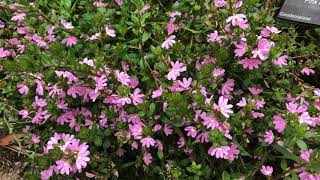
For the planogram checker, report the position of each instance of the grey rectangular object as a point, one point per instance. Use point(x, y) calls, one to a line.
point(304, 11)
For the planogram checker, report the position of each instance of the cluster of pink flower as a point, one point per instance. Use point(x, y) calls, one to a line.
point(74, 155)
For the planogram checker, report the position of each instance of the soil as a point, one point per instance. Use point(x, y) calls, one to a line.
point(11, 165)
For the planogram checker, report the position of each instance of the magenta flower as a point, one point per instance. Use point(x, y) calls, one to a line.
point(266, 170)
point(88, 62)
point(35, 138)
point(227, 87)
point(123, 77)
point(167, 129)
point(233, 152)
point(210, 121)
point(23, 89)
point(214, 37)
point(219, 152)
point(147, 158)
point(144, 8)
point(279, 123)
point(264, 46)
point(19, 17)
point(176, 69)
point(4, 53)
point(137, 97)
point(305, 155)
point(255, 90)
point(281, 61)
point(119, 2)
point(305, 118)
point(170, 41)
point(220, 3)
point(157, 93)
point(100, 83)
point(110, 32)
point(100, 4)
point(239, 20)
point(181, 142)
point(268, 137)
point(24, 113)
point(218, 72)
point(223, 107)
point(156, 128)
point(70, 41)
point(63, 166)
point(46, 174)
point(240, 49)
point(307, 71)
point(66, 25)
point(81, 153)
point(250, 63)
point(147, 142)
point(192, 131)
point(242, 102)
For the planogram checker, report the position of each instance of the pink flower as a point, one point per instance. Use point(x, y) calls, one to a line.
point(237, 4)
point(100, 83)
point(110, 32)
point(219, 152)
point(238, 20)
point(87, 61)
point(305, 155)
point(273, 30)
point(227, 87)
point(35, 139)
point(242, 102)
point(167, 130)
point(181, 142)
point(123, 77)
point(255, 90)
point(266, 170)
point(281, 61)
point(137, 97)
point(220, 3)
point(81, 154)
point(210, 121)
point(176, 69)
point(250, 63)
point(170, 28)
point(170, 41)
point(145, 8)
point(268, 137)
point(147, 142)
point(279, 123)
point(218, 72)
point(63, 166)
point(241, 49)
point(192, 131)
point(119, 2)
point(23, 89)
point(147, 158)
point(66, 25)
point(157, 93)
point(156, 128)
point(70, 41)
point(100, 4)
point(214, 37)
point(24, 113)
point(264, 46)
point(4, 53)
point(223, 107)
point(256, 115)
point(305, 118)
point(307, 71)
point(19, 17)
point(46, 174)
point(232, 152)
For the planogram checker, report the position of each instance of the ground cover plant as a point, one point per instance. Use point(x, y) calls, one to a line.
point(159, 89)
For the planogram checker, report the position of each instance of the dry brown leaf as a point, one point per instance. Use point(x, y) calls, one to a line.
point(6, 140)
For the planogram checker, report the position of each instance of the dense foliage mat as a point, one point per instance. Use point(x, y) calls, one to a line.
point(159, 89)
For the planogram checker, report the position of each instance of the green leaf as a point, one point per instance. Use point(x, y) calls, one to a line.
point(145, 36)
point(98, 141)
point(285, 152)
point(302, 145)
point(225, 175)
